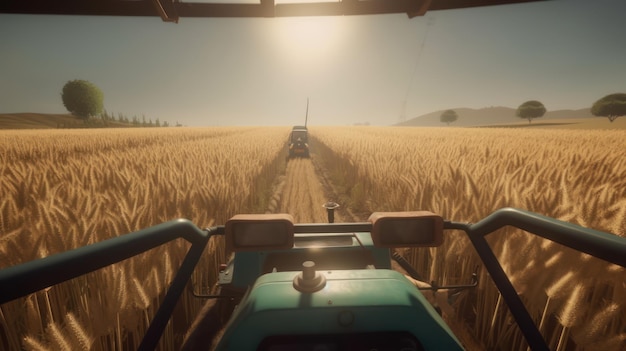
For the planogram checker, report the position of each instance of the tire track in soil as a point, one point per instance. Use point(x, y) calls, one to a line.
point(302, 191)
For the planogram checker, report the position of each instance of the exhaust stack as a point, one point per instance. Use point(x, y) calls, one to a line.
point(330, 207)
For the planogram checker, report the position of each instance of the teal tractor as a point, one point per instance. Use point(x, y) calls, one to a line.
point(318, 286)
point(328, 286)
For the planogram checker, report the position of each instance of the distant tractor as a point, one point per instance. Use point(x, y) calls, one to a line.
point(299, 138)
point(299, 142)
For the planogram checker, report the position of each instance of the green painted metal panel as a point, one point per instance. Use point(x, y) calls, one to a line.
point(352, 301)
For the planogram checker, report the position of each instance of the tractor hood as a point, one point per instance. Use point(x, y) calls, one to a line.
point(350, 302)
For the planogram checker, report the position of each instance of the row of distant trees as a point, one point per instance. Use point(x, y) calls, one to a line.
point(85, 100)
point(134, 120)
point(611, 106)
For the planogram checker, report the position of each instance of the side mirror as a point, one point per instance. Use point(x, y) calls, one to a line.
point(406, 229)
point(259, 232)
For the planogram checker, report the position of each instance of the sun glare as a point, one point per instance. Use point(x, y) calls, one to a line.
point(308, 42)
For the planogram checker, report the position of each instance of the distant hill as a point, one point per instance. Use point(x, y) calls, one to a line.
point(491, 116)
point(43, 121)
point(34, 120)
point(485, 117)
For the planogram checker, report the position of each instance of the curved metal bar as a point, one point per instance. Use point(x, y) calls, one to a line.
point(162, 316)
point(29, 277)
point(35, 275)
point(608, 247)
point(501, 280)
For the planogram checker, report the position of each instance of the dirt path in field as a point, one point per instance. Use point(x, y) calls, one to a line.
point(303, 190)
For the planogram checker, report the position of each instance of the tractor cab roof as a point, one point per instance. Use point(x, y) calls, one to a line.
point(171, 11)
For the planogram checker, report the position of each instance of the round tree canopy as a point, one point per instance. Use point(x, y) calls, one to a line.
point(448, 116)
point(611, 106)
point(531, 109)
point(81, 98)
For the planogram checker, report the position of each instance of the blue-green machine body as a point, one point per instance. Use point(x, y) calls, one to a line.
point(364, 297)
point(315, 286)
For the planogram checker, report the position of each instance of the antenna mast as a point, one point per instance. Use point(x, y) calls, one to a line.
point(430, 21)
point(306, 116)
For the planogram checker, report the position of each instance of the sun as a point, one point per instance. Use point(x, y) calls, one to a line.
point(308, 42)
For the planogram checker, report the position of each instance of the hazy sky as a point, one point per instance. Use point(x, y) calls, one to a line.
point(355, 69)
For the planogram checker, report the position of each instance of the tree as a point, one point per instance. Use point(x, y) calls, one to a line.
point(82, 99)
point(448, 116)
point(611, 106)
point(530, 109)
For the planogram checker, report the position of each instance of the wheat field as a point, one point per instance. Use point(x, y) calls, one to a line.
point(65, 189)
point(464, 174)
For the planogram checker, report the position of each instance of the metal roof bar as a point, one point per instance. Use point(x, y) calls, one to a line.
point(171, 10)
